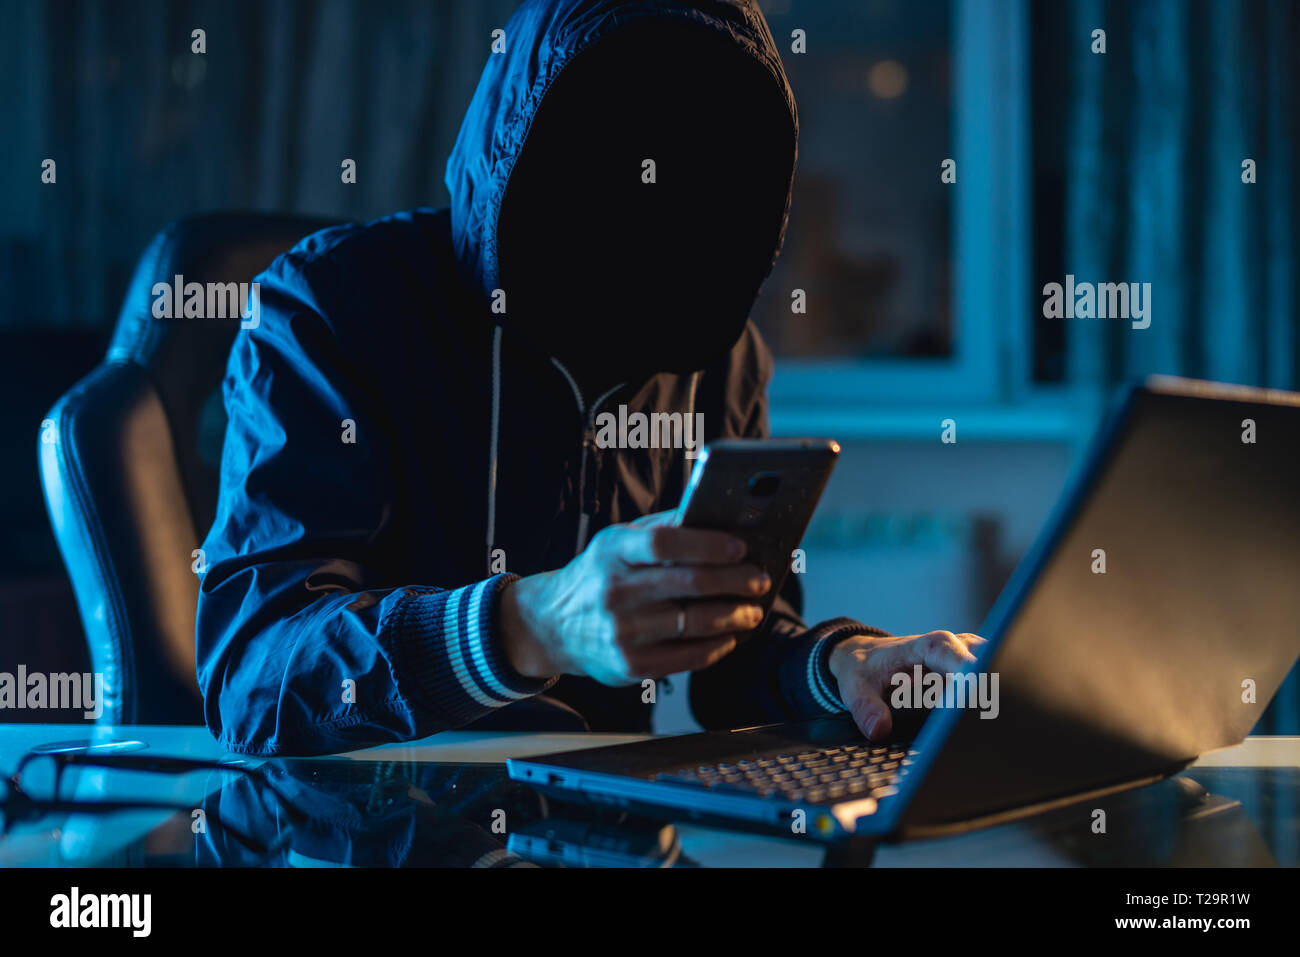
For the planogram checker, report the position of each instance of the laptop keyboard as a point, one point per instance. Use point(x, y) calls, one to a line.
point(817, 776)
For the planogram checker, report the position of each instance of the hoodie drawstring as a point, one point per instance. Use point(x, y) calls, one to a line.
point(496, 432)
point(688, 428)
point(588, 443)
point(589, 415)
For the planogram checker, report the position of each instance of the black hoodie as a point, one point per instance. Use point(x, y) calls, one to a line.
point(420, 416)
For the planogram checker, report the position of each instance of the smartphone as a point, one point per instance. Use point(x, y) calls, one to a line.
point(763, 491)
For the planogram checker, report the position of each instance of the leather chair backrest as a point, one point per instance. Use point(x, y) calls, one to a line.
point(130, 459)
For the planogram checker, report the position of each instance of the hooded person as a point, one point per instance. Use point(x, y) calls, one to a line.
point(416, 422)
point(631, 216)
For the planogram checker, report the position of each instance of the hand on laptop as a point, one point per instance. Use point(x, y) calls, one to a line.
point(617, 613)
point(864, 665)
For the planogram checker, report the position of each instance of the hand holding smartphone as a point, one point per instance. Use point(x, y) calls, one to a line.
point(763, 491)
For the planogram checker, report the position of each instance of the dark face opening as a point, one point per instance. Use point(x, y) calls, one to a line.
point(618, 277)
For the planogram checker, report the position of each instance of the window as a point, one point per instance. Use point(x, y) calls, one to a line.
point(917, 291)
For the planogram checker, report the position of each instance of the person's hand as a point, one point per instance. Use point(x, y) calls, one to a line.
point(643, 600)
point(863, 666)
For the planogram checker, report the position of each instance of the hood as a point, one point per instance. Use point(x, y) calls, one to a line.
point(554, 203)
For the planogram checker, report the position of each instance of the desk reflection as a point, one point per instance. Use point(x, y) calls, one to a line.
point(404, 814)
point(329, 813)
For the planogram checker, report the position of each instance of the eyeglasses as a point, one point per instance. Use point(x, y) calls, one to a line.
point(19, 806)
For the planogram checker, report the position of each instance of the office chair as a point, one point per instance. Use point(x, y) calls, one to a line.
point(130, 458)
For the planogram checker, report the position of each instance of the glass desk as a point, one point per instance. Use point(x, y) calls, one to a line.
point(446, 802)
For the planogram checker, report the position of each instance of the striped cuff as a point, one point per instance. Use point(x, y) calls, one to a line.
point(820, 692)
point(448, 648)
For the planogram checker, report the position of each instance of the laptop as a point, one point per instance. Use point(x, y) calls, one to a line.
point(1153, 621)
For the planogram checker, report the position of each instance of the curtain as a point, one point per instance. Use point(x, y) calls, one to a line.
point(1157, 130)
point(144, 131)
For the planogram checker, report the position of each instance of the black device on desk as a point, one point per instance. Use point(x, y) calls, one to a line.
point(764, 491)
point(1152, 622)
point(629, 842)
